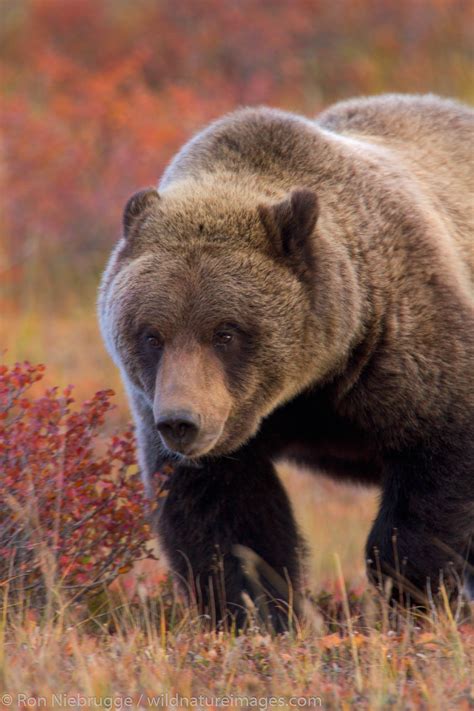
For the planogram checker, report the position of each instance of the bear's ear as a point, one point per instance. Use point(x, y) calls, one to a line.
point(135, 206)
point(290, 225)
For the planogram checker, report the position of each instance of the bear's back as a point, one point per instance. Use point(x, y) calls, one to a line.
point(432, 138)
point(411, 118)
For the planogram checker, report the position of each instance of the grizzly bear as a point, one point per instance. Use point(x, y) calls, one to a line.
point(303, 289)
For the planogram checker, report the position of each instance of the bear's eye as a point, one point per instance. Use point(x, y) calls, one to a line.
point(222, 338)
point(154, 341)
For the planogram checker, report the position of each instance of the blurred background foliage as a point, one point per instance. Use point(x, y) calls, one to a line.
point(97, 95)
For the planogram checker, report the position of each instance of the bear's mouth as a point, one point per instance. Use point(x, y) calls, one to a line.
point(200, 447)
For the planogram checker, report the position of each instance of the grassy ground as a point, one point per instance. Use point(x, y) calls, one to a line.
point(150, 653)
point(148, 647)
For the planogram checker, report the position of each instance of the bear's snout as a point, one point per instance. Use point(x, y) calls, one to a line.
point(178, 430)
point(191, 402)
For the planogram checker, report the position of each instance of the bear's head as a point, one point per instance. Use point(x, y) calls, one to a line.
point(207, 306)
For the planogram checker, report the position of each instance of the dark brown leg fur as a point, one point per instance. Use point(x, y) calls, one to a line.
point(227, 529)
point(424, 528)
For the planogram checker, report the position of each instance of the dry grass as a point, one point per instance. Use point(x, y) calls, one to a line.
point(141, 651)
point(147, 644)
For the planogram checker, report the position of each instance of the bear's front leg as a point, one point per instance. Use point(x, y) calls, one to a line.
point(423, 534)
point(228, 531)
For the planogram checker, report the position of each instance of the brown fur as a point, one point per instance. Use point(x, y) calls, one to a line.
point(192, 378)
point(340, 252)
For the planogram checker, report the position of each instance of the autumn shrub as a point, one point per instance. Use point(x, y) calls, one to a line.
point(72, 508)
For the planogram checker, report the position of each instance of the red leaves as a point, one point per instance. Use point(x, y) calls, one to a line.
point(60, 501)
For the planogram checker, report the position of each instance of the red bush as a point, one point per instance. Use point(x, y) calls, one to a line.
point(72, 507)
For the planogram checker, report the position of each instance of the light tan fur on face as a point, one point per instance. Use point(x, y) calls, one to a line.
point(191, 378)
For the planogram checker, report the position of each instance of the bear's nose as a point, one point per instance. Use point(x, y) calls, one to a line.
point(178, 429)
